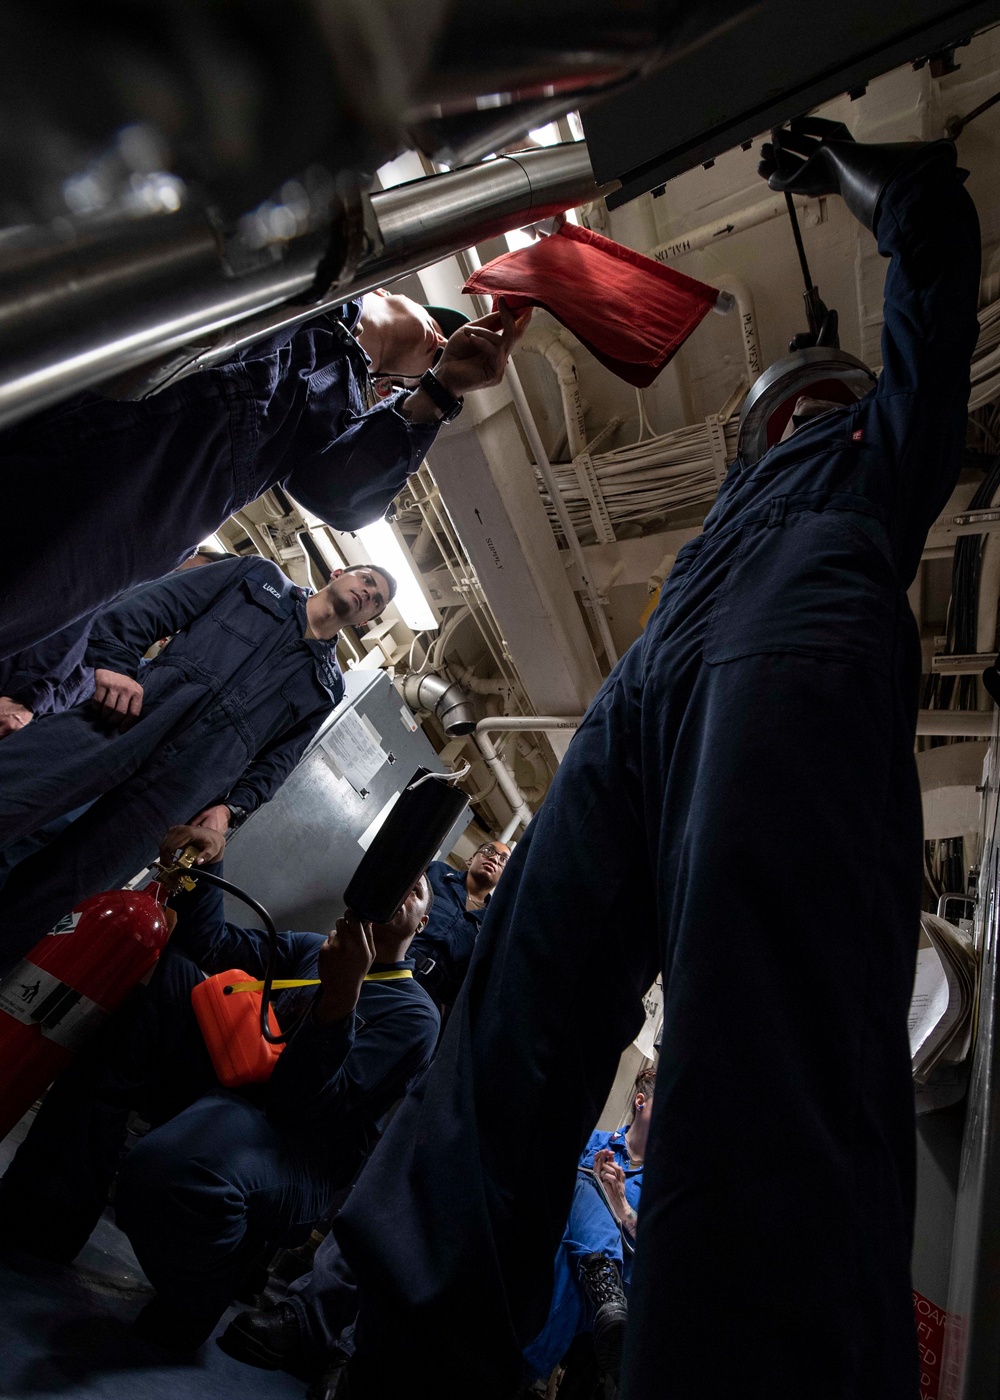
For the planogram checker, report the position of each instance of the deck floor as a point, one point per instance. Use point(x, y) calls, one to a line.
point(65, 1332)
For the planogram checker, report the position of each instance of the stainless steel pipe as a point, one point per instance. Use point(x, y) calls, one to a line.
point(72, 317)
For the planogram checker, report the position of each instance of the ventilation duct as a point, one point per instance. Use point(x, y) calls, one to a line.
point(443, 698)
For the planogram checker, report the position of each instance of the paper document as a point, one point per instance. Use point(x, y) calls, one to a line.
point(942, 1004)
point(351, 746)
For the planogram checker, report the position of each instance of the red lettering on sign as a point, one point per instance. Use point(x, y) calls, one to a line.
point(931, 1323)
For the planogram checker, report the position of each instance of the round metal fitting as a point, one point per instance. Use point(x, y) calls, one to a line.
point(785, 380)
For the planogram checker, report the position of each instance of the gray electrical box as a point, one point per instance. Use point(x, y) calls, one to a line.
point(298, 852)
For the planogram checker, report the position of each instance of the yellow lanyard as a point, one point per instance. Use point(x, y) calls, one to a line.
point(281, 984)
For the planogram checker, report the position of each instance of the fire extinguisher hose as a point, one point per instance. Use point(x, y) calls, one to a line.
point(272, 950)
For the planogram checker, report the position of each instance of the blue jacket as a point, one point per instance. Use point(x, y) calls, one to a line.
point(240, 690)
point(135, 486)
point(334, 1083)
point(617, 1142)
point(450, 935)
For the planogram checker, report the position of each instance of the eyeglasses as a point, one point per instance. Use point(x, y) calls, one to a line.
point(501, 857)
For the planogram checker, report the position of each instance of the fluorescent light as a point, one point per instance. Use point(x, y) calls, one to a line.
point(383, 547)
point(519, 238)
point(214, 542)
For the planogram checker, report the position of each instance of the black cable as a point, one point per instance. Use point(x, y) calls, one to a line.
point(272, 951)
point(799, 245)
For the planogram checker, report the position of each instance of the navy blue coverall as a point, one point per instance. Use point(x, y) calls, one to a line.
point(450, 935)
point(740, 808)
point(199, 1196)
point(53, 675)
point(228, 709)
point(131, 488)
point(264, 1163)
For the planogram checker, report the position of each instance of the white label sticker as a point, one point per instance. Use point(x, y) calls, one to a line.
point(409, 722)
point(24, 989)
point(74, 1021)
point(34, 996)
point(67, 923)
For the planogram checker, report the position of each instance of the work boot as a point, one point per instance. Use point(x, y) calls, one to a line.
point(269, 1338)
point(603, 1286)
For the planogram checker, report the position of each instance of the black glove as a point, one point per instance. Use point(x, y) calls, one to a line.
point(813, 156)
point(797, 159)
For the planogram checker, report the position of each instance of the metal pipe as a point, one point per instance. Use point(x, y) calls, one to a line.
point(522, 813)
point(444, 698)
point(709, 235)
point(967, 724)
point(748, 323)
point(536, 724)
point(76, 316)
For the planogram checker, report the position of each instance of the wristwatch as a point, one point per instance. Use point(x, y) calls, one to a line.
point(443, 398)
point(237, 815)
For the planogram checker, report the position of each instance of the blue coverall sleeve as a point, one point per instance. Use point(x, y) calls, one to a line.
point(327, 1072)
point(204, 935)
point(928, 227)
point(353, 480)
point(262, 778)
point(125, 630)
point(51, 676)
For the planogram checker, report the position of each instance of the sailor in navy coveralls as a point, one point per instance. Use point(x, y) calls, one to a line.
point(740, 809)
point(222, 716)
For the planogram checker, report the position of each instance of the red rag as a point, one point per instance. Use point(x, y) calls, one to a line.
point(630, 311)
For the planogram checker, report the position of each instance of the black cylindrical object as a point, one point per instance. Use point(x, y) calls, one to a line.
point(404, 846)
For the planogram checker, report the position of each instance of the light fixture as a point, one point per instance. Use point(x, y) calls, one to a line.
point(214, 542)
point(383, 546)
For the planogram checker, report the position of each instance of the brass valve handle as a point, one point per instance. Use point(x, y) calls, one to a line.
point(172, 877)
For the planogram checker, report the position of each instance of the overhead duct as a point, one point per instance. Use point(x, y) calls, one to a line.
point(74, 315)
point(443, 698)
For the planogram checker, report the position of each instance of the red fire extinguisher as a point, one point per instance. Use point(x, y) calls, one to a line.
point(54, 1000)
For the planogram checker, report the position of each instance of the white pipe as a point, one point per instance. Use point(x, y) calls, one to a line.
point(490, 685)
point(708, 235)
point(506, 781)
point(544, 466)
point(521, 812)
point(974, 724)
point(544, 340)
point(748, 322)
point(538, 724)
point(562, 513)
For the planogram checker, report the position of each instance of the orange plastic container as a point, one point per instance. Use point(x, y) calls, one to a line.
point(231, 1027)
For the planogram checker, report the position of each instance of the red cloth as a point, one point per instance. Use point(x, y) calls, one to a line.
point(630, 311)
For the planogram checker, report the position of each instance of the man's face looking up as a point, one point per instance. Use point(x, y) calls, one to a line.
point(357, 595)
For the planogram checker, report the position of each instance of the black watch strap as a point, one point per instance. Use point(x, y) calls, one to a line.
point(443, 398)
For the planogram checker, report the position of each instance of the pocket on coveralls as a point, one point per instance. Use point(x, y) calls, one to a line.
point(820, 583)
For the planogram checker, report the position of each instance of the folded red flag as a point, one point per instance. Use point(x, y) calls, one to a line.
point(633, 313)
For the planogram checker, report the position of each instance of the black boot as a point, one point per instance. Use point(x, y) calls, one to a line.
point(269, 1338)
point(603, 1286)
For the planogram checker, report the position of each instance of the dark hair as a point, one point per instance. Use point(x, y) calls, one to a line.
point(644, 1082)
point(378, 569)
